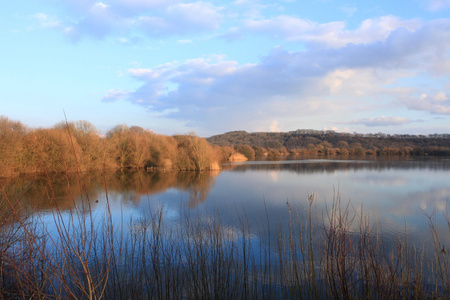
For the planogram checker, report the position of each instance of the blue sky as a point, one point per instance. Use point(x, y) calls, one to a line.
point(215, 66)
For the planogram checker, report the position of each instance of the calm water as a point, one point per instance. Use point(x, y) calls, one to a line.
point(392, 192)
point(253, 245)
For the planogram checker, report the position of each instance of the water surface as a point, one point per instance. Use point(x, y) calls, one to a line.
point(392, 193)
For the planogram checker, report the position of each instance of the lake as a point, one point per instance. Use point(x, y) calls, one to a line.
point(258, 202)
point(395, 192)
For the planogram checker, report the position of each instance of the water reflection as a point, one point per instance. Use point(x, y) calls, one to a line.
point(333, 165)
point(392, 192)
point(42, 193)
point(244, 210)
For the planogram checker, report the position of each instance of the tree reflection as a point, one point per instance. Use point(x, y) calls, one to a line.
point(312, 165)
point(43, 193)
point(198, 184)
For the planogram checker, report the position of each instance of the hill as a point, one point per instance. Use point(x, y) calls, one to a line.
point(323, 141)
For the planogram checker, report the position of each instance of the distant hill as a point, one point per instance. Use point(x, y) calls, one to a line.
point(308, 138)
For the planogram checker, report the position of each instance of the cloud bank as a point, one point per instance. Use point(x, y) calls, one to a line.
point(385, 65)
point(382, 121)
point(139, 17)
point(328, 78)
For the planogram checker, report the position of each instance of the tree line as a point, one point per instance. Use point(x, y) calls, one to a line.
point(75, 146)
point(313, 142)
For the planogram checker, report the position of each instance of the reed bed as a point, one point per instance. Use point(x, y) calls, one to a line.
point(337, 253)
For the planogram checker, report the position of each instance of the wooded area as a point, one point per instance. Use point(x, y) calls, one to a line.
point(74, 146)
point(312, 142)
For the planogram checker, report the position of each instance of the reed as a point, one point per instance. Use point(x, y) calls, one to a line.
point(338, 253)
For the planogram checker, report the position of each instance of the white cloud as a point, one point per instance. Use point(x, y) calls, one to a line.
point(290, 28)
point(47, 21)
point(99, 6)
point(136, 5)
point(275, 127)
point(155, 18)
point(293, 85)
point(114, 95)
point(334, 71)
point(181, 19)
point(382, 121)
point(439, 103)
point(349, 10)
point(141, 72)
point(98, 20)
point(185, 41)
point(248, 8)
point(328, 34)
point(126, 7)
point(203, 13)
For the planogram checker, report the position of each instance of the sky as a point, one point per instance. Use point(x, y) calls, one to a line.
point(210, 67)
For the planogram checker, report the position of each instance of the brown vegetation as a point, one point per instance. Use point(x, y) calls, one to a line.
point(315, 142)
point(74, 146)
point(238, 157)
